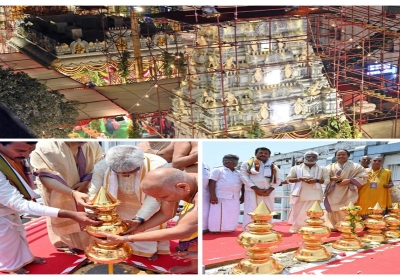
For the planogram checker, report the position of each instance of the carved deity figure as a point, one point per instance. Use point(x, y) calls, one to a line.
point(258, 76)
point(161, 41)
point(315, 89)
point(298, 106)
point(121, 44)
point(264, 111)
point(201, 41)
point(207, 98)
point(288, 71)
point(79, 47)
point(211, 62)
point(231, 100)
point(229, 64)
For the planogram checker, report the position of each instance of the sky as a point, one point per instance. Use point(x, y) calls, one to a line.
point(214, 150)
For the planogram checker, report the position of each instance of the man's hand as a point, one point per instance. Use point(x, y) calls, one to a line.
point(268, 191)
point(132, 226)
point(82, 187)
point(342, 183)
point(334, 178)
point(310, 181)
point(213, 199)
point(258, 191)
point(80, 217)
point(110, 239)
point(388, 186)
point(82, 199)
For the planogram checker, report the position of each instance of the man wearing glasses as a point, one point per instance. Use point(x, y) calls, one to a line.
point(307, 178)
point(121, 173)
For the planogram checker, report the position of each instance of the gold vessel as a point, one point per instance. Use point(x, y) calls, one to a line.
point(393, 222)
point(257, 241)
point(99, 251)
point(349, 227)
point(375, 224)
point(312, 233)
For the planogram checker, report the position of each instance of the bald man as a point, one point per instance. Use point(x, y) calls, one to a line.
point(365, 161)
point(169, 186)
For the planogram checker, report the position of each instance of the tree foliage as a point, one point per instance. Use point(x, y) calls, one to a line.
point(336, 127)
point(256, 132)
point(133, 130)
point(46, 112)
point(123, 65)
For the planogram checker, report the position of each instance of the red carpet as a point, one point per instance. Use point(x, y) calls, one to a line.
point(223, 247)
point(61, 263)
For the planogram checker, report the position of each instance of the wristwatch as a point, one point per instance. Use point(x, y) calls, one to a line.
point(141, 220)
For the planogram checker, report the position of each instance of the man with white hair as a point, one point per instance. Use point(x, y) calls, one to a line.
point(307, 178)
point(121, 173)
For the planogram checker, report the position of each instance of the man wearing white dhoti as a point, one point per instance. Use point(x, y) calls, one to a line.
point(206, 196)
point(17, 195)
point(225, 185)
point(345, 179)
point(260, 177)
point(64, 167)
point(307, 178)
point(121, 173)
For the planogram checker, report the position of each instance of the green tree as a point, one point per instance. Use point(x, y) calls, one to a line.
point(46, 112)
point(256, 132)
point(336, 127)
point(123, 65)
point(133, 130)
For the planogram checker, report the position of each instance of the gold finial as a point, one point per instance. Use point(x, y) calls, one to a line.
point(104, 198)
point(376, 207)
point(351, 205)
point(262, 209)
point(315, 207)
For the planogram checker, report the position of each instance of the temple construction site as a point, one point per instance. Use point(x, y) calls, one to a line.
point(219, 72)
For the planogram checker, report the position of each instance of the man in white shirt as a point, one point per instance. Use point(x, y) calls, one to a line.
point(225, 185)
point(17, 195)
point(307, 178)
point(260, 177)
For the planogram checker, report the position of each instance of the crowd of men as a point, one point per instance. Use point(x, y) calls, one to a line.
point(334, 185)
point(150, 180)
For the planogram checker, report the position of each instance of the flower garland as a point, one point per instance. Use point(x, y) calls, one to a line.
point(353, 216)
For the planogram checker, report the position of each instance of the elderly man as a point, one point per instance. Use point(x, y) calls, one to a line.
point(225, 186)
point(170, 186)
point(16, 195)
point(345, 179)
point(65, 170)
point(365, 161)
point(260, 177)
point(307, 178)
point(121, 173)
point(377, 189)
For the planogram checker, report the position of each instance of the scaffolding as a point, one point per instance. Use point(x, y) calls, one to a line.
point(358, 46)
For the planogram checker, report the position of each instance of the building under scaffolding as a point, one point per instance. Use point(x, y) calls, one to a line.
point(285, 68)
